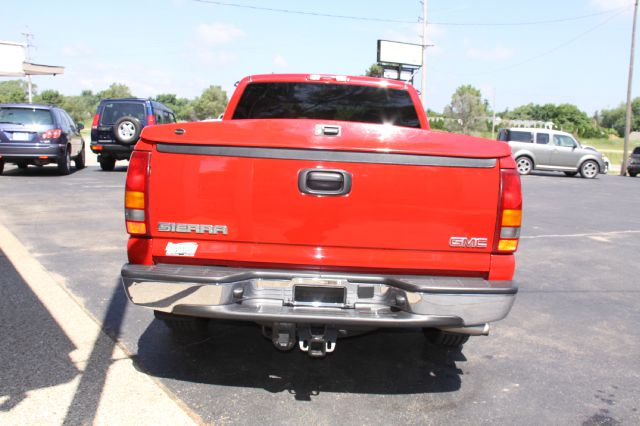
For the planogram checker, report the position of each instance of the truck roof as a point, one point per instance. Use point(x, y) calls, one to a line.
point(328, 78)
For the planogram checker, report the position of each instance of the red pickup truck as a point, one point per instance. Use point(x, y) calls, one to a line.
point(319, 207)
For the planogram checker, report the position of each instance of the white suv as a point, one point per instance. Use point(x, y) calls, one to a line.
point(545, 149)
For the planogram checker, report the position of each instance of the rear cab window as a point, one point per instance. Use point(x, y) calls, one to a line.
point(340, 102)
point(113, 111)
point(25, 116)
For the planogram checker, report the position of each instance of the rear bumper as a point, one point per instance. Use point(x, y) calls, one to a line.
point(113, 149)
point(27, 151)
point(266, 296)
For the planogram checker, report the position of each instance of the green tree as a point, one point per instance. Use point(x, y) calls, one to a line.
point(466, 112)
point(49, 97)
point(13, 91)
point(182, 107)
point(210, 103)
point(615, 118)
point(374, 70)
point(116, 90)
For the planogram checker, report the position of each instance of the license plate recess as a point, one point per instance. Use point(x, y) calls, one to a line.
point(316, 295)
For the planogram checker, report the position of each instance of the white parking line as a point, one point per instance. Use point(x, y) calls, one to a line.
point(128, 395)
point(588, 235)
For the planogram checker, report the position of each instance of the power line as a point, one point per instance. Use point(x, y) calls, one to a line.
point(553, 49)
point(401, 21)
point(301, 12)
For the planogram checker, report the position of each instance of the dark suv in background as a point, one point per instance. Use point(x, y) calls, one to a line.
point(633, 165)
point(117, 125)
point(39, 135)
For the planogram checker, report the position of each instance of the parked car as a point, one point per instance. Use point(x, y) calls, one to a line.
point(117, 125)
point(633, 164)
point(553, 150)
point(607, 162)
point(284, 213)
point(40, 135)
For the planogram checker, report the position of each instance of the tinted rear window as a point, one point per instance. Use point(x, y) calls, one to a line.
point(327, 102)
point(10, 115)
point(517, 136)
point(113, 111)
point(636, 150)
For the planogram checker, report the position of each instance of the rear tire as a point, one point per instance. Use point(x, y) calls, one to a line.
point(80, 159)
point(524, 165)
point(443, 338)
point(589, 169)
point(182, 324)
point(64, 163)
point(22, 165)
point(107, 163)
point(127, 130)
point(571, 174)
point(632, 174)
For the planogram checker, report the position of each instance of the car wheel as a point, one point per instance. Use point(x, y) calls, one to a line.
point(80, 159)
point(182, 324)
point(632, 174)
point(22, 164)
point(107, 163)
point(64, 163)
point(589, 169)
point(443, 338)
point(525, 165)
point(1, 166)
point(571, 174)
point(606, 168)
point(127, 130)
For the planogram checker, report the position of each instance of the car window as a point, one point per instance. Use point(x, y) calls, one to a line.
point(636, 150)
point(63, 121)
point(563, 140)
point(520, 136)
point(542, 138)
point(113, 111)
point(72, 124)
point(25, 116)
point(168, 117)
point(354, 103)
point(159, 116)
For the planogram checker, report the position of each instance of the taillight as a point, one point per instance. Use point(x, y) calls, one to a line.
point(96, 120)
point(151, 119)
point(135, 194)
point(509, 212)
point(51, 134)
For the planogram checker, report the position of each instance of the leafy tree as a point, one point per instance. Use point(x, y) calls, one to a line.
point(210, 103)
point(182, 107)
point(13, 91)
point(466, 112)
point(49, 97)
point(564, 116)
point(374, 70)
point(615, 118)
point(116, 90)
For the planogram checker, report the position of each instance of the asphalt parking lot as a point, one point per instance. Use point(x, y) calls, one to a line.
point(569, 352)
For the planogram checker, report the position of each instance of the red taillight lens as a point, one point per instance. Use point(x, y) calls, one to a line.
point(509, 213)
point(135, 194)
point(151, 119)
point(96, 120)
point(51, 134)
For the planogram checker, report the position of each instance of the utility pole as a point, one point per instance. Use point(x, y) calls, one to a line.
point(423, 91)
point(28, 37)
point(493, 121)
point(627, 124)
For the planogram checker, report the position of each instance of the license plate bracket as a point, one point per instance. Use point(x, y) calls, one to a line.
point(314, 295)
point(20, 136)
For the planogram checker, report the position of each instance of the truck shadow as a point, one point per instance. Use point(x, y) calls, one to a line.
point(236, 354)
point(35, 350)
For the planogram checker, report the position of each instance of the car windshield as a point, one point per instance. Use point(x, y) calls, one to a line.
point(25, 116)
point(113, 111)
point(328, 102)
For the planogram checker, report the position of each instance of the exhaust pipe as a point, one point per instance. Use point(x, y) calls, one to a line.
point(474, 330)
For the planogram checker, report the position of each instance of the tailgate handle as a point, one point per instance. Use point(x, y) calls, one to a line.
point(324, 182)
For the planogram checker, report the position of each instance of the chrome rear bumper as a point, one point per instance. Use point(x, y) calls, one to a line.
point(266, 296)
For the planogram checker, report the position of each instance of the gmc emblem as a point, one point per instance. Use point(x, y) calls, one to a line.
point(464, 242)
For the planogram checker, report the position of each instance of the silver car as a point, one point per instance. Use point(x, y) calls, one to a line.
point(553, 150)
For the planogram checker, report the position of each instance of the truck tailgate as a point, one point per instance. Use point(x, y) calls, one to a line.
point(403, 208)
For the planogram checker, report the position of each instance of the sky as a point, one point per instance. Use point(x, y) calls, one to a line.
point(515, 52)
